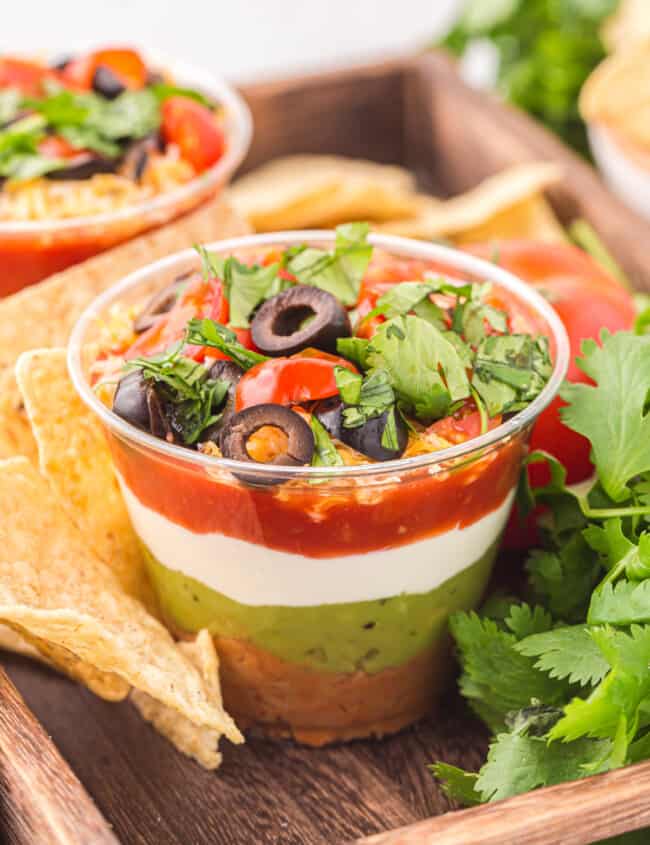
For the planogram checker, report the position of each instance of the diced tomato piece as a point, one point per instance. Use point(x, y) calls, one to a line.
point(127, 65)
point(56, 147)
point(194, 130)
point(200, 298)
point(27, 77)
point(290, 381)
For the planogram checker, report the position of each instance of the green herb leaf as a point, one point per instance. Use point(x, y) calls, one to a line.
point(496, 678)
point(365, 397)
point(208, 333)
point(191, 399)
point(619, 694)
point(415, 353)
point(163, 91)
point(457, 784)
point(620, 604)
point(340, 271)
point(349, 385)
point(9, 104)
point(406, 297)
point(355, 349)
point(247, 287)
point(510, 371)
point(557, 652)
point(612, 414)
point(325, 452)
point(563, 580)
point(389, 439)
point(517, 763)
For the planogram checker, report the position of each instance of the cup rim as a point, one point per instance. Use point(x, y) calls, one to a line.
point(239, 133)
point(392, 244)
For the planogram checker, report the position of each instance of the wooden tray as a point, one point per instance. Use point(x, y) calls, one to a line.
point(415, 112)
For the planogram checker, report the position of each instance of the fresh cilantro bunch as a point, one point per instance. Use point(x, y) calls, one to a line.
point(546, 50)
point(563, 678)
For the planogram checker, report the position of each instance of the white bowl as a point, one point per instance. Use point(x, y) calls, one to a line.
point(626, 176)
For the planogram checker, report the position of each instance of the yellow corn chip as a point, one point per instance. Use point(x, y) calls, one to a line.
point(308, 191)
point(16, 436)
point(629, 23)
point(436, 219)
point(532, 218)
point(199, 743)
point(53, 588)
point(617, 94)
point(75, 458)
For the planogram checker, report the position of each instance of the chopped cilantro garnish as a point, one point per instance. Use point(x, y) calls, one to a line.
point(338, 271)
point(364, 397)
point(510, 371)
point(325, 452)
point(208, 333)
point(191, 399)
point(425, 370)
point(245, 285)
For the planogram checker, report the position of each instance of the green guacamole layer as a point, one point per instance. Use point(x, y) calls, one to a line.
point(368, 635)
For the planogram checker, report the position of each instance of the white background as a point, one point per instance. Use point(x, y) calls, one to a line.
point(240, 39)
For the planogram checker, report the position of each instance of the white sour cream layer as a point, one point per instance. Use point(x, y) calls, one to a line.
point(256, 575)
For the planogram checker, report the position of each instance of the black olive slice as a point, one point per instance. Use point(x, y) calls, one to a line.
point(330, 413)
point(130, 400)
point(61, 63)
point(366, 438)
point(160, 303)
point(243, 425)
point(299, 317)
point(230, 372)
point(137, 402)
point(83, 166)
point(137, 156)
point(107, 83)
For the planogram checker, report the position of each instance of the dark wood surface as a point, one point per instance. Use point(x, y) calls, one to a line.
point(570, 814)
point(31, 767)
point(414, 112)
point(265, 793)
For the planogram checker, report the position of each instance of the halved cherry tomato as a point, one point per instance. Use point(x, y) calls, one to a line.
point(126, 64)
point(192, 127)
point(200, 298)
point(56, 147)
point(463, 425)
point(587, 300)
point(290, 381)
point(27, 77)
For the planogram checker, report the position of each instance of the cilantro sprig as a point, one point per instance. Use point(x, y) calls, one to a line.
point(578, 648)
point(191, 399)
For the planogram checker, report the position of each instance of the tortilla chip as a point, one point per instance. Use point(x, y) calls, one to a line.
point(53, 588)
point(532, 218)
point(436, 219)
point(617, 94)
point(16, 436)
point(306, 191)
point(75, 458)
point(629, 23)
point(43, 315)
point(196, 742)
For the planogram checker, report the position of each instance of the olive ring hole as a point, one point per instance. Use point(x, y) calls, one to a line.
point(292, 320)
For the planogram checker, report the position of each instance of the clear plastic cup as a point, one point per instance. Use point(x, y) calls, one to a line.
point(32, 250)
point(327, 591)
